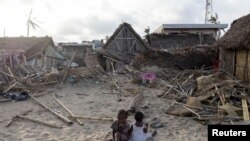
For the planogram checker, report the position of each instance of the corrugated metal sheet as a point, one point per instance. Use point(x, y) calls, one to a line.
point(194, 26)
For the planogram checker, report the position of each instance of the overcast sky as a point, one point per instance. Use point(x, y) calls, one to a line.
point(77, 20)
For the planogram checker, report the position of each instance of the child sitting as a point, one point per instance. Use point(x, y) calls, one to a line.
point(139, 130)
point(121, 127)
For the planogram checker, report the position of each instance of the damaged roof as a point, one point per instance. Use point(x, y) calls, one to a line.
point(109, 41)
point(32, 46)
point(194, 26)
point(238, 36)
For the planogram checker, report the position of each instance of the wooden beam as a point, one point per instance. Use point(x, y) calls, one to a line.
point(65, 108)
point(39, 121)
point(53, 112)
point(132, 45)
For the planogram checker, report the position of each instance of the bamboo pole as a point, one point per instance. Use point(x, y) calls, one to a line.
point(39, 121)
point(93, 118)
point(53, 112)
point(65, 108)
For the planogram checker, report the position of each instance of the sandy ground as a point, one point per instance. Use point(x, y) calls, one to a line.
point(87, 98)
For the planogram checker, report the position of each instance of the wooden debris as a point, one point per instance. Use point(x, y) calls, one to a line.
point(65, 108)
point(135, 103)
point(13, 85)
point(245, 109)
point(67, 68)
point(93, 118)
point(53, 112)
point(10, 122)
point(230, 109)
point(38, 121)
point(193, 112)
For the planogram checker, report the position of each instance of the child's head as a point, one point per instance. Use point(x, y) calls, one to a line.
point(139, 116)
point(122, 116)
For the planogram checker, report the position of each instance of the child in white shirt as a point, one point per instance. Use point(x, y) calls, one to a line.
point(139, 130)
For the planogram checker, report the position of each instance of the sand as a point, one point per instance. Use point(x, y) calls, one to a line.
point(87, 98)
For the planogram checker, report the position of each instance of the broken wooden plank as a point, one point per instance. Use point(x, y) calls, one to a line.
point(245, 109)
point(65, 108)
point(39, 121)
point(53, 112)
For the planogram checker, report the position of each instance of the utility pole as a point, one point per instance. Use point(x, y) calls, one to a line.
point(4, 32)
point(209, 11)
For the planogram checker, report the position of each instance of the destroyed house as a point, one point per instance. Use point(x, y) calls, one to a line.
point(122, 46)
point(35, 51)
point(185, 35)
point(79, 49)
point(235, 49)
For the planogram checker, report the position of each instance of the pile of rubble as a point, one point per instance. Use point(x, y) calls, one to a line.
point(214, 99)
point(186, 58)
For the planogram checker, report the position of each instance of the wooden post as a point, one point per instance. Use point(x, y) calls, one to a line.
point(67, 68)
point(53, 112)
point(71, 114)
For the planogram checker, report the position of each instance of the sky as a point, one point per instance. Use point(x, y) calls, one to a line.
point(78, 20)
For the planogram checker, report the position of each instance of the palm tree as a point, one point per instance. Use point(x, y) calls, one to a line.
point(214, 19)
point(31, 22)
point(147, 30)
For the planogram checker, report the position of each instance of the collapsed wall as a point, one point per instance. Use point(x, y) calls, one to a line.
point(191, 58)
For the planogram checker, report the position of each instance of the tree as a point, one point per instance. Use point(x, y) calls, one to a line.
point(31, 23)
point(214, 19)
point(147, 30)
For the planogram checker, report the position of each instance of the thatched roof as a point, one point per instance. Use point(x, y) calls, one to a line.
point(109, 41)
point(32, 46)
point(238, 36)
